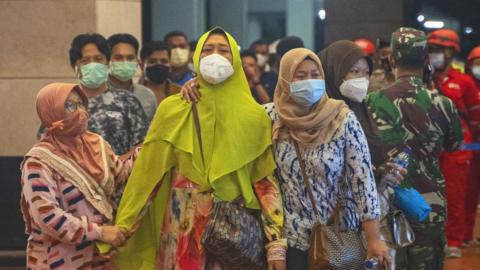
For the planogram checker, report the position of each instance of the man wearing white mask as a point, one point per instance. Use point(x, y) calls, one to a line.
point(177, 41)
point(460, 88)
point(123, 67)
point(260, 47)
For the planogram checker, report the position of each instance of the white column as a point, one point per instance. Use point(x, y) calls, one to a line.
point(301, 21)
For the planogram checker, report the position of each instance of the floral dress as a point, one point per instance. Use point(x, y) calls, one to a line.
point(187, 214)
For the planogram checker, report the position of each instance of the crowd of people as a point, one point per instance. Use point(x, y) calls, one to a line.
point(132, 175)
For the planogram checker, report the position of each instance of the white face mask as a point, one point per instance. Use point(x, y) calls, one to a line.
point(261, 60)
point(476, 72)
point(215, 68)
point(355, 89)
point(437, 60)
point(179, 57)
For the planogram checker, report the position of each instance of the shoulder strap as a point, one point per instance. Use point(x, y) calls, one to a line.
point(305, 179)
point(336, 213)
point(198, 129)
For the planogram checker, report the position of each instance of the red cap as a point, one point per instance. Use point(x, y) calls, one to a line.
point(446, 38)
point(474, 54)
point(366, 45)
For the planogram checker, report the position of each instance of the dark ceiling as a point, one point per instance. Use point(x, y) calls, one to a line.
point(466, 11)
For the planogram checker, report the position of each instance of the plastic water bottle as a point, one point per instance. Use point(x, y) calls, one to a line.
point(371, 263)
point(402, 160)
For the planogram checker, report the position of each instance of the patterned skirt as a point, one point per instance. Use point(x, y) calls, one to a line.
point(186, 216)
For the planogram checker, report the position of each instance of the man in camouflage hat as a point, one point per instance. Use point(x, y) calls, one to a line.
point(408, 114)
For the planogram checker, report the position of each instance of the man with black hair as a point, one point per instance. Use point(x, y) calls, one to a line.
point(268, 77)
point(288, 43)
point(260, 48)
point(155, 65)
point(116, 115)
point(252, 72)
point(177, 42)
point(409, 115)
point(123, 66)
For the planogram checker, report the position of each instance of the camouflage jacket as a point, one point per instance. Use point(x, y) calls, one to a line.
point(408, 114)
point(119, 118)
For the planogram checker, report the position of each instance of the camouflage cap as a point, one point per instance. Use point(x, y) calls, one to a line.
point(409, 45)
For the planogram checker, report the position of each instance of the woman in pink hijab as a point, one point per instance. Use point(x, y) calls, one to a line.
point(69, 181)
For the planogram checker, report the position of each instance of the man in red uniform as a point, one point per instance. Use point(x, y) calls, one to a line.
point(456, 167)
point(473, 69)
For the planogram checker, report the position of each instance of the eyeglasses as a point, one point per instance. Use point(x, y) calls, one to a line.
point(73, 106)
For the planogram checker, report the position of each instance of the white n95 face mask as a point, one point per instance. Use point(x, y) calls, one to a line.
point(179, 57)
point(476, 72)
point(437, 60)
point(355, 89)
point(261, 60)
point(215, 68)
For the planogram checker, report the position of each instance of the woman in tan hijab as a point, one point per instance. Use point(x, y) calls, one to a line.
point(333, 147)
point(69, 181)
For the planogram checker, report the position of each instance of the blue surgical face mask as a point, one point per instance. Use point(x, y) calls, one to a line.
point(307, 92)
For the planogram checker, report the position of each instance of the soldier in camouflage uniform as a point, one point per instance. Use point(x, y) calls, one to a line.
point(407, 114)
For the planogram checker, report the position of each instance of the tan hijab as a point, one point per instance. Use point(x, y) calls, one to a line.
point(308, 126)
point(69, 138)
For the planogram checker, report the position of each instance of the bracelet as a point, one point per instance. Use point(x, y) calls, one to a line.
point(276, 253)
point(256, 83)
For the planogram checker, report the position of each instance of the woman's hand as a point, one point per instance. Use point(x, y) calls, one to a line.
point(394, 174)
point(378, 249)
point(190, 92)
point(113, 235)
point(277, 265)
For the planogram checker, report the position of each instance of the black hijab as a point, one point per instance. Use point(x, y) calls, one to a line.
point(337, 60)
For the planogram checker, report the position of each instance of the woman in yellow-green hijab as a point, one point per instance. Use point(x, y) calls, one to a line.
point(168, 199)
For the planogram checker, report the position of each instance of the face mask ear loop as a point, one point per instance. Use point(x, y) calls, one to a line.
point(287, 83)
point(77, 72)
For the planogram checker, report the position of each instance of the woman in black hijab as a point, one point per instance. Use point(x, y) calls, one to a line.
point(347, 73)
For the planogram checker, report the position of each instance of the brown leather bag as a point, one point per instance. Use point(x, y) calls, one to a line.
point(331, 248)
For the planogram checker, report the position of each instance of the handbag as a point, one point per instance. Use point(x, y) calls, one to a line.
point(402, 231)
point(331, 248)
point(233, 235)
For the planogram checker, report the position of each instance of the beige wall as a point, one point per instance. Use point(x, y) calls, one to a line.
point(36, 35)
point(108, 21)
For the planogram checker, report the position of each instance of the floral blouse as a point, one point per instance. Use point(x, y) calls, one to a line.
point(340, 171)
